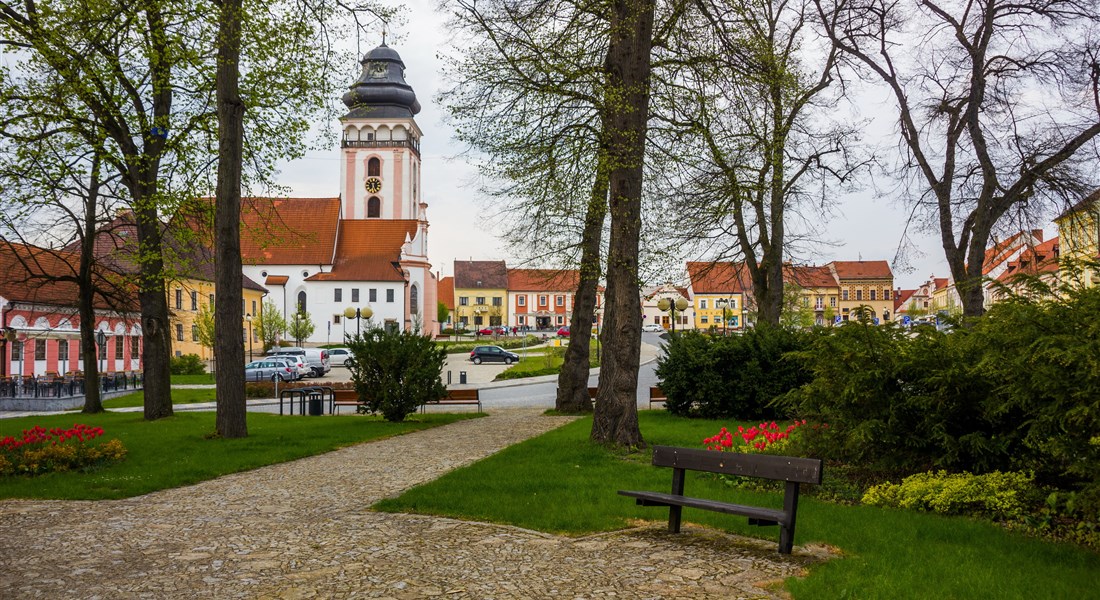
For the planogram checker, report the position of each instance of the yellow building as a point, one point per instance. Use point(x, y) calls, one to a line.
point(1079, 234)
point(867, 283)
point(480, 293)
point(717, 296)
point(187, 299)
point(818, 290)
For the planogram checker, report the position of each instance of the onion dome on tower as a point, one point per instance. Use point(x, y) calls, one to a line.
point(381, 91)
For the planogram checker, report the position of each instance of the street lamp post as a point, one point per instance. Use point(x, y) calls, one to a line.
point(248, 317)
point(101, 341)
point(667, 305)
point(358, 314)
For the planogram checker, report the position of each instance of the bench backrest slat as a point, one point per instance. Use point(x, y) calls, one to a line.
point(462, 394)
point(765, 466)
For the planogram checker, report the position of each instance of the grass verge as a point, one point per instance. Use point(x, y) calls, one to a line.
point(559, 482)
point(204, 379)
point(173, 452)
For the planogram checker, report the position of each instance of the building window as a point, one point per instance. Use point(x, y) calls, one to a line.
point(703, 319)
point(254, 313)
point(62, 352)
point(859, 295)
point(17, 350)
point(561, 320)
point(463, 300)
point(844, 295)
point(414, 299)
point(354, 294)
point(134, 346)
point(703, 305)
point(873, 294)
point(335, 319)
point(389, 295)
point(40, 350)
point(477, 321)
point(374, 208)
point(372, 295)
point(374, 167)
point(194, 333)
point(302, 301)
point(179, 299)
point(543, 300)
point(119, 342)
point(832, 301)
point(733, 321)
point(211, 299)
point(479, 300)
point(103, 348)
point(559, 300)
point(194, 300)
point(521, 301)
point(179, 333)
point(496, 300)
point(338, 295)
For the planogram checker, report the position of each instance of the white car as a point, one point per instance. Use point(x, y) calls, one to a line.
point(337, 356)
point(653, 328)
point(299, 363)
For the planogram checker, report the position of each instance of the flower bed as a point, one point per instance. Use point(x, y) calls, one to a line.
point(45, 451)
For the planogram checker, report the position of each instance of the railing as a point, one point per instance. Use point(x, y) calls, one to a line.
point(414, 146)
point(57, 386)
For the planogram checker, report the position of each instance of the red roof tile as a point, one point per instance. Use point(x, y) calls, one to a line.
point(718, 277)
point(369, 250)
point(543, 280)
point(446, 291)
point(902, 297)
point(862, 269)
point(289, 231)
point(490, 274)
point(28, 274)
point(809, 277)
point(276, 280)
point(1034, 261)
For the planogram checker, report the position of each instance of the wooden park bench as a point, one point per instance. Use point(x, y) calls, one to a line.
point(462, 396)
point(343, 398)
point(780, 468)
point(656, 395)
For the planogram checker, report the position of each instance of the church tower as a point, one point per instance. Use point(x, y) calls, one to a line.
point(380, 142)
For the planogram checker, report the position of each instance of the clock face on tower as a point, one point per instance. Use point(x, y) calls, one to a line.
point(374, 185)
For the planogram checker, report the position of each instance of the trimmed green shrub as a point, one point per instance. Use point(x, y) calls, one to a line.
point(396, 372)
point(734, 377)
point(188, 364)
point(997, 496)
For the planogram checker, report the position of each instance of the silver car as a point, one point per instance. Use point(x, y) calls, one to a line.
point(271, 369)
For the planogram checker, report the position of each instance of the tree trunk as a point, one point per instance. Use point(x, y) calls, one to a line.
point(231, 420)
point(157, 350)
point(93, 401)
point(628, 71)
point(573, 379)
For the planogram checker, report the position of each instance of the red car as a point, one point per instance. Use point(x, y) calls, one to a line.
point(564, 332)
point(485, 331)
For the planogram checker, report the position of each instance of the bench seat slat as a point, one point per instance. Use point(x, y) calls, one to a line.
point(661, 499)
point(764, 466)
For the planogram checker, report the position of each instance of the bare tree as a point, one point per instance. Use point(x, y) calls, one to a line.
point(998, 108)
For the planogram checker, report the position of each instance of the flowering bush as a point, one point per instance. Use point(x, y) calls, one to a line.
point(998, 496)
point(45, 451)
point(765, 437)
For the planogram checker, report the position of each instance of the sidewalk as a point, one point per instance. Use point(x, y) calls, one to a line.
point(303, 529)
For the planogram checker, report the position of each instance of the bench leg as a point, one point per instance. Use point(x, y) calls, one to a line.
point(790, 506)
point(675, 511)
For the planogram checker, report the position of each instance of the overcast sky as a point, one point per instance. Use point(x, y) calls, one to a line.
point(864, 227)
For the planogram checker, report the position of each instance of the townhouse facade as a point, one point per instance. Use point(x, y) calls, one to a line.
point(717, 296)
point(543, 298)
point(863, 283)
point(481, 293)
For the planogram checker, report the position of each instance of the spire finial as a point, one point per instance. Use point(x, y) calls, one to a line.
point(384, 24)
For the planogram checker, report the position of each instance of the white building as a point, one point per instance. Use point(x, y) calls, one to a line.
point(367, 247)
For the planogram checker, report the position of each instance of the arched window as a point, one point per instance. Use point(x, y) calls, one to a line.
point(302, 301)
point(374, 167)
point(374, 208)
point(414, 300)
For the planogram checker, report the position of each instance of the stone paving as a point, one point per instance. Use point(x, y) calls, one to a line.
point(302, 530)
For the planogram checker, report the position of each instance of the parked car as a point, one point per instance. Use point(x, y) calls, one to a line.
point(563, 332)
point(298, 360)
point(482, 354)
point(316, 359)
point(337, 356)
point(270, 368)
point(485, 331)
point(653, 328)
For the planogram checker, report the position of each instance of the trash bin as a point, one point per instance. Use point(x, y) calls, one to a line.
point(316, 405)
point(462, 377)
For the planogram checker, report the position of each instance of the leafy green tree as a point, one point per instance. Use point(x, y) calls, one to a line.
point(300, 326)
point(270, 326)
point(442, 313)
point(204, 322)
point(395, 372)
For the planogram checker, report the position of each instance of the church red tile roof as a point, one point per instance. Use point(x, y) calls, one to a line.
point(291, 231)
point(862, 269)
point(809, 277)
point(1034, 261)
point(543, 280)
point(276, 280)
point(369, 250)
point(28, 274)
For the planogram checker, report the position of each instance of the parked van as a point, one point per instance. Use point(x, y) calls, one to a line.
point(316, 358)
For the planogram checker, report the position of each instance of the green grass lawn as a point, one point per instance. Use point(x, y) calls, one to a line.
point(205, 378)
point(559, 482)
point(174, 451)
point(179, 396)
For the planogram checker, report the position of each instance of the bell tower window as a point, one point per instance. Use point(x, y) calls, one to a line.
point(374, 167)
point(374, 208)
